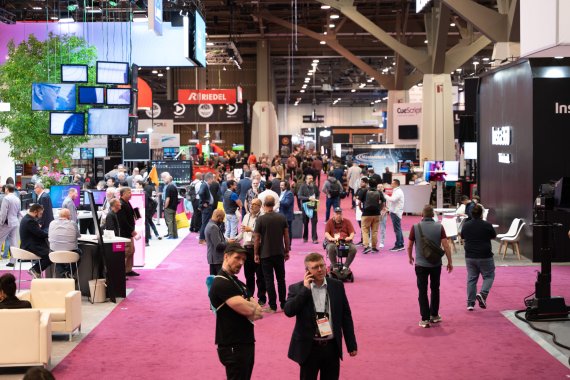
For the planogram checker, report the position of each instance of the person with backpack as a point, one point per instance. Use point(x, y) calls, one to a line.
point(192, 196)
point(332, 189)
point(372, 200)
point(429, 237)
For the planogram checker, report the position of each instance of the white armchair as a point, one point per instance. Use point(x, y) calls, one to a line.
point(26, 337)
point(58, 297)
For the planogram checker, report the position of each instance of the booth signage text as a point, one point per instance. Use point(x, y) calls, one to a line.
point(218, 96)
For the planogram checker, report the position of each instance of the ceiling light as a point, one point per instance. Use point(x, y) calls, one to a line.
point(325, 33)
point(94, 10)
point(304, 86)
point(302, 91)
point(325, 7)
point(66, 20)
point(54, 18)
point(155, 71)
point(475, 63)
point(393, 63)
point(558, 57)
point(331, 26)
point(315, 61)
point(209, 43)
point(353, 90)
point(323, 42)
point(160, 74)
point(459, 70)
point(452, 24)
point(307, 78)
point(37, 8)
point(425, 41)
point(334, 16)
point(486, 59)
point(369, 80)
point(167, 67)
point(362, 85)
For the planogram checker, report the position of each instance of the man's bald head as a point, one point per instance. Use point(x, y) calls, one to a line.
point(64, 214)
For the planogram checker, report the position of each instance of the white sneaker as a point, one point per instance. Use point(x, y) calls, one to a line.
point(424, 324)
point(435, 319)
point(470, 307)
point(381, 245)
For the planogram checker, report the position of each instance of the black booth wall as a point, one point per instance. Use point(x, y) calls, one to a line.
point(520, 96)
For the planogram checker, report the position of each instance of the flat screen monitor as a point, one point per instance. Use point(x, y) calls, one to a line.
point(112, 72)
point(195, 38)
point(441, 171)
point(86, 153)
point(108, 121)
point(76, 154)
point(238, 147)
point(57, 193)
point(67, 123)
point(98, 195)
point(53, 97)
point(119, 96)
point(74, 74)
point(405, 166)
point(408, 132)
point(91, 95)
point(170, 153)
point(137, 149)
point(470, 150)
point(99, 152)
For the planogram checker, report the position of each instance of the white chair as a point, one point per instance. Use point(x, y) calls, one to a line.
point(59, 298)
point(66, 257)
point(450, 227)
point(512, 229)
point(514, 241)
point(23, 255)
point(26, 338)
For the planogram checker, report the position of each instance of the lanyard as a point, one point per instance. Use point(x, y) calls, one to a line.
point(242, 289)
point(326, 305)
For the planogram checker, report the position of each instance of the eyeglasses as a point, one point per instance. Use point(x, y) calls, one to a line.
point(318, 266)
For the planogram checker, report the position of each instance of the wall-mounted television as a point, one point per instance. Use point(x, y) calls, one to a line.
point(118, 96)
point(91, 95)
point(57, 193)
point(441, 171)
point(408, 132)
point(86, 153)
point(112, 72)
point(67, 123)
point(470, 150)
point(74, 73)
point(108, 121)
point(53, 97)
point(99, 152)
point(137, 149)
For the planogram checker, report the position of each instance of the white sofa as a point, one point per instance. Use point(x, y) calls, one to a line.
point(58, 297)
point(25, 337)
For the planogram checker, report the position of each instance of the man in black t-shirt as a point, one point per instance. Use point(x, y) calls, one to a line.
point(271, 249)
point(235, 314)
point(170, 205)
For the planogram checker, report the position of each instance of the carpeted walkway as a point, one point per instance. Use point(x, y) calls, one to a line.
point(164, 330)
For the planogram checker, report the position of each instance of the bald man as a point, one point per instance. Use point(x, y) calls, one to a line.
point(215, 241)
point(63, 235)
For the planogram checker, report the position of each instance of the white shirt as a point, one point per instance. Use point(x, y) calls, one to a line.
point(396, 202)
point(319, 298)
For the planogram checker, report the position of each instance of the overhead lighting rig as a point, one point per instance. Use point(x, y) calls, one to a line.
point(7, 17)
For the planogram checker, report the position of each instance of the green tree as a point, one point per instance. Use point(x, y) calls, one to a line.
point(39, 61)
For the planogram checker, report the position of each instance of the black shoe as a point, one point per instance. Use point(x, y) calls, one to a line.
point(262, 302)
point(166, 236)
point(10, 265)
point(305, 240)
point(482, 301)
point(34, 273)
point(159, 237)
point(367, 250)
point(147, 244)
point(375, 250)
point(132, 274)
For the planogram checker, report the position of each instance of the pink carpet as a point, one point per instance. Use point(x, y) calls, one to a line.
point(164, 329)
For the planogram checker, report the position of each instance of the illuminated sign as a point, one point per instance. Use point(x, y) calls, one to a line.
point(501, 136)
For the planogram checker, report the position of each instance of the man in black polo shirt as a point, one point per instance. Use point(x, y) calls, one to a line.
point(235, 314)
point(477, 234)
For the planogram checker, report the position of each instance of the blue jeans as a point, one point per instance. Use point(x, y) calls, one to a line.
point(334, 202)
point(231, 226)
point(476, 267)
point(396, 221)
point(206, 216)
point(383, 220)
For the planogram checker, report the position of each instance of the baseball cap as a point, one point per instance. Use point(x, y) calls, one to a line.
point(337, 209)
point(234, 248)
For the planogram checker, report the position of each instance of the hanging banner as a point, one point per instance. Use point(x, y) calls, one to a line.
point(285, 145)
point(217, 96)
point(196, 113)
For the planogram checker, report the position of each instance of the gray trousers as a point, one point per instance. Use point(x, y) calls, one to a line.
point(170, 219)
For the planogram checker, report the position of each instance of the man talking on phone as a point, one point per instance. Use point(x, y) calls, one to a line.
point(323, 316)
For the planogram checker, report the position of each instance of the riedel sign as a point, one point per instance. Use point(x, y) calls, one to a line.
point(218, 96)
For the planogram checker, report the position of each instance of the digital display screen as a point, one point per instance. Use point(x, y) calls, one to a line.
point(180, 170)
point(99, 152)
point(170, 153)
point(69, 124)
point(441, 171)
point(200, 40)
point(470, 150)
point(58, 193)
point(74, 74)
point(137, 149)
point(91, 95)
point(98, 196)
point(112, 72)
point(86, 153)
point(53, 97)
point(119, 96)
point(108, 121)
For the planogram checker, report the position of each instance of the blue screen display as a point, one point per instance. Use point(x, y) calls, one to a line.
point(65, 123)
point(58, 193)
point(91, 95)
point(53, 97)
point(108, 121)
point(98, 196)
point(200, 40)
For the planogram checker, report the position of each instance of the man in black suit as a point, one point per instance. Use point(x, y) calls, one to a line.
point(323, 316)
point(207, 204)
point(34, 239)
point(44, 200)
point(112, 221)
point(126, 218)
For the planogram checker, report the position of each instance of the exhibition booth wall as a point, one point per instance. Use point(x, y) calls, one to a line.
point(523, 139)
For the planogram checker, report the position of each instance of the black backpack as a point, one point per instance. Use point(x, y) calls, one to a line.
point(430, 249)
point(372, 199)
point(334, 190)
point(192, 193)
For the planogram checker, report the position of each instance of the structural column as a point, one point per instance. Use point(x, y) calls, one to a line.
point(394, 97)
point(437, 140)
point(264, 128)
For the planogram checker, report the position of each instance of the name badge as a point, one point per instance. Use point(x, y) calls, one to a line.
point(324, 327)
